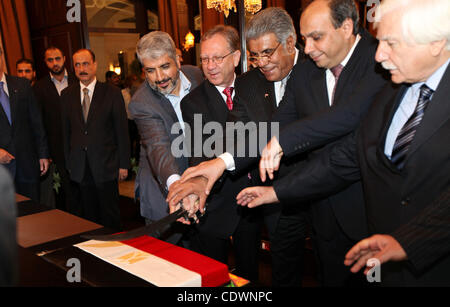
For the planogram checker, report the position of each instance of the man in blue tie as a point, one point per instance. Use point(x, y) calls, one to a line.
point(400, 152)
point(23, 142)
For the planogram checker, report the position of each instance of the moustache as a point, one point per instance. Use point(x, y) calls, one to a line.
point(388, 66)
point(163, 81)
point(83, 73)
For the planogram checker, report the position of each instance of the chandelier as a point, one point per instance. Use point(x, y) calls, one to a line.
point(225, 6)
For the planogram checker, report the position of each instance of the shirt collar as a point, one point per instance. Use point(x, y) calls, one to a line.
point(90, 87)
point(66, 75)
point(221, 88)
point(185, 85)
point(434, 80)
point(349, 54)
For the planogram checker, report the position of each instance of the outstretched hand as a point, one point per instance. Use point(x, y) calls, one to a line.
point(211, 170)
point(179, 190)
point(383, 247)
point(270, 159)
point(257, 196)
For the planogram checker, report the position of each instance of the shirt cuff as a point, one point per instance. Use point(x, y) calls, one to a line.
point(172, 179)
point(228, 159)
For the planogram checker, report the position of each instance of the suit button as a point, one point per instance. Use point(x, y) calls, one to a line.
point(405, 202)
point(85, 133)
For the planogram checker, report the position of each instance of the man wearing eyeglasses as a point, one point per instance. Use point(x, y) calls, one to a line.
point(320, 106)
point(213, 100)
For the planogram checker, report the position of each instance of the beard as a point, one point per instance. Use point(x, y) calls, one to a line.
point(57, 70)
point(169, 89)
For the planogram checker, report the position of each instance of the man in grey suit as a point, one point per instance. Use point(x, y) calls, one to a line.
point(155, 107)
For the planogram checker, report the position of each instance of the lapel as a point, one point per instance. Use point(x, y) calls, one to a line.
point(51, 86)
point(76, 101)
point(319, 88)
point(215, 103)
point(436, 114)
point(386, 120)
point(13, 99)
point(349, 73)
point(262, 97)
point(97, 100)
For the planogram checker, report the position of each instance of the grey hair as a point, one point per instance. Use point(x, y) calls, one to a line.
point(154, 45)
point(271, 20)
point(422, 21)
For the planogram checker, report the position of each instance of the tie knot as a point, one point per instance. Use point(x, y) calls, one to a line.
point(336, 70)
point(425, 92)
point(85, 90)
point(228, 91)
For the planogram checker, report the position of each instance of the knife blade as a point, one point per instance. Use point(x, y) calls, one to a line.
point(155, 229)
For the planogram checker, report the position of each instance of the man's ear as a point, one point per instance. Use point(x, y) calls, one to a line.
point(437, 47)
point(290, 44)
point(347, 27)
point(236, 57)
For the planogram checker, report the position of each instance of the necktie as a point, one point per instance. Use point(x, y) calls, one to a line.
point(228, 92)
point(86, 104)
point(283, 87)
point(408, 131)
point(5, 102)
point(336, 70)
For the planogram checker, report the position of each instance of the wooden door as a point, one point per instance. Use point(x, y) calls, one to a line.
point(49, 26)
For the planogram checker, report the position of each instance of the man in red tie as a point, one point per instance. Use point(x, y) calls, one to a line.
point(211, 102)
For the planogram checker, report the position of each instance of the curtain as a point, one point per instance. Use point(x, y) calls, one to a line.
point(168, 19)
point(210, 17)
point(15, 32)
point(276, 3)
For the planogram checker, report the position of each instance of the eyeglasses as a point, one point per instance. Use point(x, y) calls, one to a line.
point(214, 59)
point(255, 58)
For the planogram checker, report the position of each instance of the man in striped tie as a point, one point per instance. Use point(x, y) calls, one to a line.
point(401, 152)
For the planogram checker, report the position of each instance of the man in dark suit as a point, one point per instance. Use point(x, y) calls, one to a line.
point(211, 102)
point(96, 141)
point(8, 244)
point(23, 143)
point(48, 90)
point(323, 109)
point(272, 49)
point(155, 107)
point(400, 151)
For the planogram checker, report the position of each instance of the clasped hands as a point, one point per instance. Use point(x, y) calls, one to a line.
point(196, 182)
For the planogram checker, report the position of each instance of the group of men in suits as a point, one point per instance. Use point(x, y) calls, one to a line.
point(380, 178)
point(77, 126)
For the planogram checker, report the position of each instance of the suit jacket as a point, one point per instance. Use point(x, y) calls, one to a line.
point(222, 214)
point(412, 203)
point(154, 116)
point(258, 104)
point(50, 105)
point(307, 122)
point(25, 138)
point(103, 141)
point(8, 244)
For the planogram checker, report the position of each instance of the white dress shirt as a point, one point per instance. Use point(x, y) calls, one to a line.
point(331, 80)
point(90, 87)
